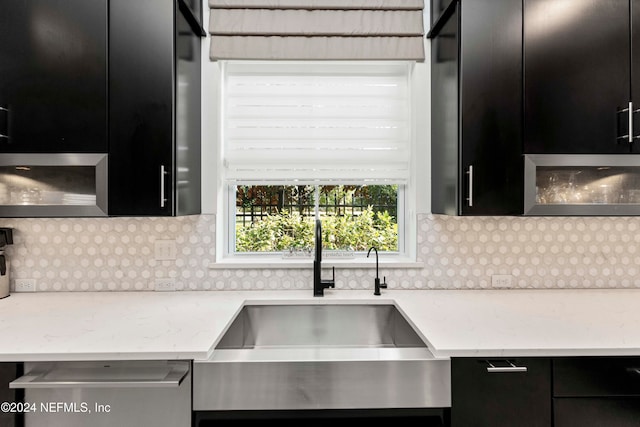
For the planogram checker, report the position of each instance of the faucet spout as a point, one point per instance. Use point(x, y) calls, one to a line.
point(368, 253)
point(320, 285)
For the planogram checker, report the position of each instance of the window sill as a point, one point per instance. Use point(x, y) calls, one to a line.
point(304, 264)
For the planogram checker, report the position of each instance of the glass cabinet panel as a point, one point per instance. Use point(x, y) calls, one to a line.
point(50, 185)
point(582, 185)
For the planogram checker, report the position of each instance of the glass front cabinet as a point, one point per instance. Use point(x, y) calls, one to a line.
point(53, 185)
point(580, 185)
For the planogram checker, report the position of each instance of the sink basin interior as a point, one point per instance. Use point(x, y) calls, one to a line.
point(315, 325)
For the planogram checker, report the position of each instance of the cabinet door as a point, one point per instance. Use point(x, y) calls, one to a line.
point(53, 76)
point(476, 87)
point(491, 176)
point(576, 76)
point(141, 122)
point(481, 398)
point(444, 118)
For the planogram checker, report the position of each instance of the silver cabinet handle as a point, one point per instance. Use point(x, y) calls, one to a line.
point(505, 369)
point(5, 109)
point(470, 173)
point(83, 378)
point(630, 122)
point(629, 136)
point(163, 174)
point(633, 137)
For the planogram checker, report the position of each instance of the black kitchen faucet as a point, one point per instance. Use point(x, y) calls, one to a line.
point(320, 285)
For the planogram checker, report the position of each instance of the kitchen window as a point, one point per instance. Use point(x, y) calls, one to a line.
point(306, 140)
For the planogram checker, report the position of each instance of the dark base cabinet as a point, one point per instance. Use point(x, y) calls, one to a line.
point(500, 393)
point(596, 391)
point(8, 373)
point(546, 392)
point(596, 412)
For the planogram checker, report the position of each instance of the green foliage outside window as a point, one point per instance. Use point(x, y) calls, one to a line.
point(290, 230)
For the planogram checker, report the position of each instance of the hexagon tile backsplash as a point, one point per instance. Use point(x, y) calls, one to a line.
point(117, 254)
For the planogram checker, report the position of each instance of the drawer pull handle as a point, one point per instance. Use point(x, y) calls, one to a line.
point(163, 378)
point(504, 369)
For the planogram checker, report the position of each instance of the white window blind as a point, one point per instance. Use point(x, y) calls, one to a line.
point(317, 29)
point(321, 123)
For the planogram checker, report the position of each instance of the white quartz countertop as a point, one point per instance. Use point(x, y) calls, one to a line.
point(188, 325)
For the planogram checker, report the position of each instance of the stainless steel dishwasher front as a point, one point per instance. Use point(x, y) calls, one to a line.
point(106, 394)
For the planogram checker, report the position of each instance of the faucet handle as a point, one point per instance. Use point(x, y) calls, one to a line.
point(383, 285)
point(330, 283)
point(333, 277)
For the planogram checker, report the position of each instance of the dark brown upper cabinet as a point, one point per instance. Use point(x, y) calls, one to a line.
point(120, 78)
point(581, 83)
point(53, 76)
point(154, 108)
point(476, 122)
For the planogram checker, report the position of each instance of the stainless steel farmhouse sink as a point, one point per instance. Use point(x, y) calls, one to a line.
point(320, 356)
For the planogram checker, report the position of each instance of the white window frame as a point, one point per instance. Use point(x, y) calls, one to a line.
point(227, 257)
point(230, 230)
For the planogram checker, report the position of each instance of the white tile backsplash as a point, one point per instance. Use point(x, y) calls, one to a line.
point(117, 254)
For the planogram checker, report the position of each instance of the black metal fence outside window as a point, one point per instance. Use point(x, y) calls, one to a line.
point(255, 203)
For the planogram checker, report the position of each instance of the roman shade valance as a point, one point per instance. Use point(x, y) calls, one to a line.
point(317, 29)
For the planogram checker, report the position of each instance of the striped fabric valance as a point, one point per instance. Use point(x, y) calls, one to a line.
point(317, 29)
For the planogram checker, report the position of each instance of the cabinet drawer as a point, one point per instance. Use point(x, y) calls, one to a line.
point(501, 393)
point(594, 377)
point(596, 412)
